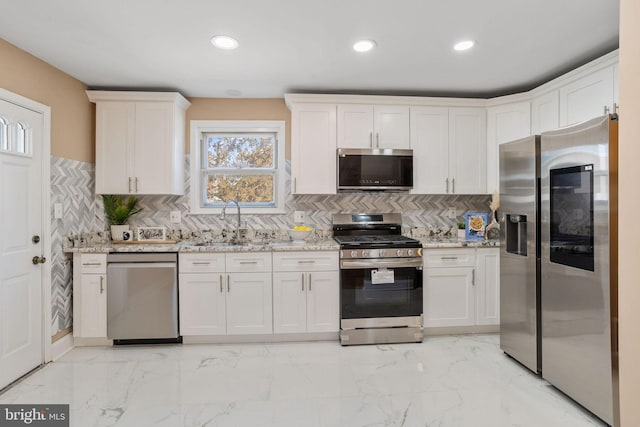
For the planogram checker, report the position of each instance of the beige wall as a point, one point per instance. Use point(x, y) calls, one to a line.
point(72, 115)
point(240, 109)
point(629, 253)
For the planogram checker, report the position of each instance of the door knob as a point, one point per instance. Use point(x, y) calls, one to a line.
point(38, 260)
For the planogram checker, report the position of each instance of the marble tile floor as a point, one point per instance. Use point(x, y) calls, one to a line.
point(448, 381)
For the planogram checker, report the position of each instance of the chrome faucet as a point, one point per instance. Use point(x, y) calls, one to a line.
point(222, 216)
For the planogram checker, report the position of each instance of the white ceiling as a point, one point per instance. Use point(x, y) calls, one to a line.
point(305, 46)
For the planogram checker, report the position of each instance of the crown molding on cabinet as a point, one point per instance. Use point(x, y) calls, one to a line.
point(117, 95)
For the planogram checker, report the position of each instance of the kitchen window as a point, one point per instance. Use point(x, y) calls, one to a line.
point(240, 160)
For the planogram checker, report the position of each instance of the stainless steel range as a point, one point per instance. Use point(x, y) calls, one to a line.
point(380, 280)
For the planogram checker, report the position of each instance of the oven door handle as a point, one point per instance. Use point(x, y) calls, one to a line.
point(374, 263)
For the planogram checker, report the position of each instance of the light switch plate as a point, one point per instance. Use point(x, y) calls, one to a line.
point(175, 217)
point(298, 217)
point(57, 210)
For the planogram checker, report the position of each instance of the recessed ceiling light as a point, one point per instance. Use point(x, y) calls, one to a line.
point(364, 45)
point(224, 42)
point(464, 45)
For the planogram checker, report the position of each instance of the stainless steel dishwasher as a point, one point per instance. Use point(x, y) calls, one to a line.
point(142, 298)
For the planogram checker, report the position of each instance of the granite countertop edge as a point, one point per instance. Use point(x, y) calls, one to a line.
point(279, 246)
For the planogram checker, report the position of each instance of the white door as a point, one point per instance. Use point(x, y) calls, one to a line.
point(21, 315)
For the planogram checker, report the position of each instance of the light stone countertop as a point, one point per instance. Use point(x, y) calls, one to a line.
point(275, 246)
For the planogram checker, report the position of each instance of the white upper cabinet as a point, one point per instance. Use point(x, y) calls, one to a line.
point(545, 112)
point(449, 150)
point(139, 142)
point(313, 149)
point(430, 143)
point(467, 151)
point(587, 97)
point(373, 126)
point(505, 122)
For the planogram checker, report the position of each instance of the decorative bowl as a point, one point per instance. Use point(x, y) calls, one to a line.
point(299, 235)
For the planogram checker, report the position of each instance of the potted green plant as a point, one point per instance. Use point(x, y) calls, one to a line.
point(118, 210)
point(461, 230)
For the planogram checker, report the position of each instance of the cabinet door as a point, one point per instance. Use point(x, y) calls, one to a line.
point(202, 304)
point(289, 302)
point(505, 123)
point(488, 286)
point(545, 113)
point(587, 97)
point(115, 132)
point(467, 151)
point(323, 302)
point(153, 148)
point(313, 149)
point(355, 126)
point(449, 297)
point(430, 144)
point(93, 306)
point(391, 126)
point(249, 307)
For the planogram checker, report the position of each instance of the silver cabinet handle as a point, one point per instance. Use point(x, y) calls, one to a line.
point(377, 139)
point(447, 184)
point(136, 184)
point(129, 184)
point(453, 185)
point(371, 139)
point(91, 263)
point(302, 282)
point(101, 284)
point(221, 285)
point(306, 261)
point(228, 284)
point(201, 263)
point(448, 258)
point(473, 277)
point(309, 282)
point(615, 108)
point(248, 262)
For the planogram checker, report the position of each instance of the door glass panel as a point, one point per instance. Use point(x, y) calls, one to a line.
point(20, 141)
point(571, 201)
point(361, 296)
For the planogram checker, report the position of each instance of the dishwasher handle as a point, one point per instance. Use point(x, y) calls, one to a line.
point(141, 265)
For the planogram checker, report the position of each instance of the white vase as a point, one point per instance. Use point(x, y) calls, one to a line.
point(117, 232)
point(461, 234)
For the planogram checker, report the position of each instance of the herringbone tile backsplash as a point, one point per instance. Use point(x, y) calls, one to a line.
point(72, 184)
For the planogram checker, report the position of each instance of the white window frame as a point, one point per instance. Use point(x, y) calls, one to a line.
point(200, 127)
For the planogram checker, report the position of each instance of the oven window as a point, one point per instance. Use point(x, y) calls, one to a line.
point(364, 297)
point(571, 202)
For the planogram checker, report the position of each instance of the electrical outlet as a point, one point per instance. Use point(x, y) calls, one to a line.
point(175, 217)
point(451, 213)
point(298, 217)
point(57, 210)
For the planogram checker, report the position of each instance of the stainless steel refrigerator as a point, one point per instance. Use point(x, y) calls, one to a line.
point(558, 260)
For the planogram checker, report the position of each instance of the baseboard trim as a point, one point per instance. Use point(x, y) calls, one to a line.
point(61, 346)
point(459, 330)
point(270, 338)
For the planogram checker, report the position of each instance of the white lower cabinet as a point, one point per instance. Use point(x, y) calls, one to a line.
point(461, 287)
point(305, 292)
point(90, 296)
point(225, 293)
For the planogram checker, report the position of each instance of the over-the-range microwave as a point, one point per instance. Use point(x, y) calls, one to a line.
point(374, 169)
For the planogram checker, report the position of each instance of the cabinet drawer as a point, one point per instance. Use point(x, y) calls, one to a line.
point(93, 263)
point(247, 262)
point(305, 261)
point(201, 263)
point(450, 258)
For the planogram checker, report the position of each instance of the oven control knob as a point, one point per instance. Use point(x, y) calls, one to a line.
point(365, 254)
point(399, 252)
point(409, 252)
point(354, 254)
